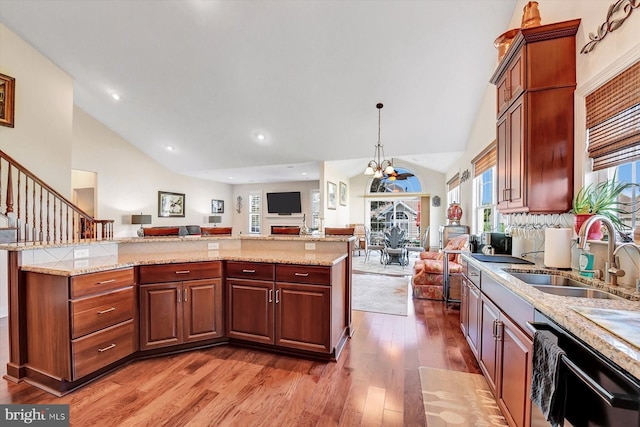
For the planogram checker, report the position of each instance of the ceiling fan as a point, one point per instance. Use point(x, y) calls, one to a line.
point(395, 176)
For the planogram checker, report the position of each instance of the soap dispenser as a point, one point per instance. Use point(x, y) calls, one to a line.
point(585, 262)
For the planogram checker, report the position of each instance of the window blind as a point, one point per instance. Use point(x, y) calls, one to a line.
point(453, 182)
point(484, 161)
point(613, 120)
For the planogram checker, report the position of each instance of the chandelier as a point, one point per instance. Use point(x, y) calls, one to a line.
point(379, 166)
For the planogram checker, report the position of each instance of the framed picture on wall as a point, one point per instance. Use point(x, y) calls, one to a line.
point(7, 88)
point(343, 194)
point(332, 195)
point(217, 206)
point(170, 204)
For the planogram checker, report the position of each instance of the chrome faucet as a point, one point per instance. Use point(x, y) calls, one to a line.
point(611, 270)
point(637, 248)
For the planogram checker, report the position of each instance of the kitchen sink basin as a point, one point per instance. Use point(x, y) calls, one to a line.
point(570, 291)
point(547, 279)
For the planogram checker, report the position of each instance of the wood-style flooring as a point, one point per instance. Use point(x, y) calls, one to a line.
point(374, 383)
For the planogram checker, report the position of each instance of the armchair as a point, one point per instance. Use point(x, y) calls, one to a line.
point(436, 275)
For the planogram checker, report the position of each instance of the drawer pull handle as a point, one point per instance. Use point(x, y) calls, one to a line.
point(183, 271)
point(270, 295)
point(178, 293)
point(248, 271)
point(107, 310)
point(278, 296)
point(106, 281)
point(301, 274)
point(109, 347)
point(185, 295)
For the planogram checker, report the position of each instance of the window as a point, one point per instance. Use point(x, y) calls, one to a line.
point(485, 201)
point(255, 200)
point(453, 190)
point(401, 181)
point(485, 188)
point(629, 172)
point(315, 210)
point(403, 213)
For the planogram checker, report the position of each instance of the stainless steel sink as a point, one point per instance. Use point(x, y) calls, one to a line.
point(570, 291)
point(547, 279)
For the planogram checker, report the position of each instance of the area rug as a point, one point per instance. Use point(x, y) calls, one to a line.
point(458, 399)
point(380, 294)
point(373, 266)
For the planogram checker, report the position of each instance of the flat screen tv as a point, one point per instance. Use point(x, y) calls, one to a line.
point(285, 203)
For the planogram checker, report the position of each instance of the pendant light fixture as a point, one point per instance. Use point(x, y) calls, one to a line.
point(379, 166)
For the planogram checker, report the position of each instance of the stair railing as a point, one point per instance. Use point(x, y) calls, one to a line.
point(40, 214)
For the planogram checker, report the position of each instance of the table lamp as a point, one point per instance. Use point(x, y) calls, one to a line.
point(141, 219)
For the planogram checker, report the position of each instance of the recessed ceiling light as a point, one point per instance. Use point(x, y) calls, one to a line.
point(260, 137)
point(303, 173)
point(170, 148)
point(230, 177)
point(115, 96)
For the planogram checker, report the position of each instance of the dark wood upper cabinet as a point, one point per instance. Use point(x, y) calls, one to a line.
point(535, 82)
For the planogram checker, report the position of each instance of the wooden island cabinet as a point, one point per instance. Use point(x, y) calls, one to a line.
point(180, 303)
point(535, 82)
point(296, 308)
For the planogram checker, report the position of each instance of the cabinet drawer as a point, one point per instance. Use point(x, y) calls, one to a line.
point(473, 274)
point(250, 270)
point(303, 274)
point(102, 348)
point(179, 272)
point(92, 314)
point(94, 283)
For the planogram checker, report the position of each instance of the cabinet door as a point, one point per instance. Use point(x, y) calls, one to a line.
point(511, 167)
point(303, 316)
point(250, 310)
point(202, 300)
point(473, 330)
point(516, 350)
point(464, 308)
point(488, 342)
point(160, 315)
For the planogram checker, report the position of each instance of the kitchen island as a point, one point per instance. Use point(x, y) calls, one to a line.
point(78, 312)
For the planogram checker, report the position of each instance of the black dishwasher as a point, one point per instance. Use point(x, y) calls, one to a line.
point(599, 393)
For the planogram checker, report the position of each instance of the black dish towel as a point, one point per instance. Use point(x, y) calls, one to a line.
point(547, 391)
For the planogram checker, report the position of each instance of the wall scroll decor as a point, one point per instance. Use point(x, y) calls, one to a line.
point(465, 176)
point(170, 204)
point(617, 14)
point(239, 204)
point(7, 97)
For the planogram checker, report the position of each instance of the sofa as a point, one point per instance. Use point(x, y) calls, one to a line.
point(428, 277)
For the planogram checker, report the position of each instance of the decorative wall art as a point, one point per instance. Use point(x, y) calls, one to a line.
point(616, 15)
point(217, 206)
point(343, 194)
point(170, 204)
point(435, 201)
point(332, 189)
point(7, 97)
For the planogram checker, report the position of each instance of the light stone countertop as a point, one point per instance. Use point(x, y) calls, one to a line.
point(559, 309)
point(96, 264)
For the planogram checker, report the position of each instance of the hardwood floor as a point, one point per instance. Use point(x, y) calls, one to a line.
point(375, 382)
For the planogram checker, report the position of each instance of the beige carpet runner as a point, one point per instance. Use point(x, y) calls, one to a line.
point(380, 294)
point(458, 399)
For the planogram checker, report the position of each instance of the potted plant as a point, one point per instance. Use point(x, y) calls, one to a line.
point(602, 198)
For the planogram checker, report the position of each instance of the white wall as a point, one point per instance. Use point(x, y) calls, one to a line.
point(338, 217)
point(240, 221)
point(41, 138)
point(129, 181)
point(618, 48)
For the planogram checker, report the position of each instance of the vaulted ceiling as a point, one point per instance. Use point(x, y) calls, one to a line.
point(263, 91)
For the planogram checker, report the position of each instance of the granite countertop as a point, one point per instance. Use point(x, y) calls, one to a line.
point(96, 264)
point(561, 310)
point(25, 246)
